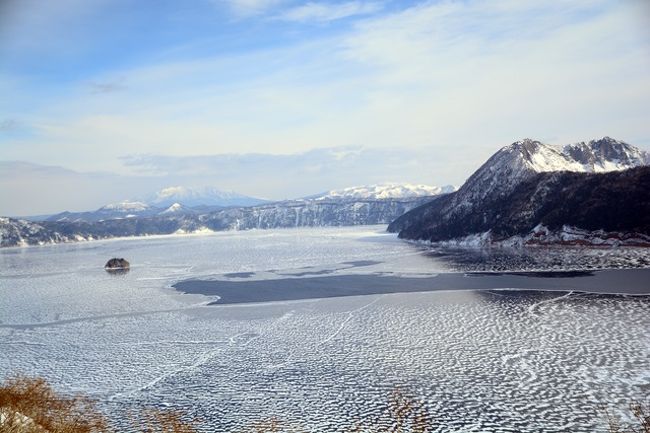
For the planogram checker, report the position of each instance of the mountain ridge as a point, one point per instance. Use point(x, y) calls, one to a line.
point(384, 191)
point(285, 214)
point(203, 196)
point(468, 212)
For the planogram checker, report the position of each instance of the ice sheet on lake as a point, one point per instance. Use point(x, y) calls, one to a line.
point(482, 361)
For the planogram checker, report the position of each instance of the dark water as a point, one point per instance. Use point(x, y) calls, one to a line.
point(629, 281)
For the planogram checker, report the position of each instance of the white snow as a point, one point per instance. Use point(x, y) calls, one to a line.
point(542, 235)
point(193, 196)
point(131, 206)
point(551, 158)
point(176, 207)
point(385, 191)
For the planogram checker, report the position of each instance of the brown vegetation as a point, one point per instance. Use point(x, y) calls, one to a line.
point(158, 421)
point(640, 420)
point(404, 414)
point(30, 405)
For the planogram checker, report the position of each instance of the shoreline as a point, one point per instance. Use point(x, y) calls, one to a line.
point(452, 244)
point(615, 281)
point(197, 234)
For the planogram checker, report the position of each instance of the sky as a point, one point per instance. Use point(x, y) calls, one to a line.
point(106, 100)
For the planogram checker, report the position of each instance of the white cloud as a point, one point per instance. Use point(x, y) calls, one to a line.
point(250, 7)
point(459, 79)
point(323, 12)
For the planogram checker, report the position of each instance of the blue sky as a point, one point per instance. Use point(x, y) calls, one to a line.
point(281, 98)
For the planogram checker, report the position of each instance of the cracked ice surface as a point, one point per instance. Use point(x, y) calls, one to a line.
point(481, 361)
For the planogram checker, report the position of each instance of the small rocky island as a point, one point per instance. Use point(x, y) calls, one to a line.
point(117, 265)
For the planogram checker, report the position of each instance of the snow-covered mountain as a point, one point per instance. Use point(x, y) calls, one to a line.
point(204, 201)
point(16, 232)
point(507, 170)
point(205, 196)
point(178, 219)
point(385, 191)
point(177, 209)
point(124, 209)
point(606, 154)
point(175, 199)
point(311, 213)
point(595, 156)
point(522, 159)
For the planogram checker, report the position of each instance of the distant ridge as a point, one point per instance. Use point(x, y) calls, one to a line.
point(125, 206)
point(204, 196)
point(385, 191)
point(138, 219)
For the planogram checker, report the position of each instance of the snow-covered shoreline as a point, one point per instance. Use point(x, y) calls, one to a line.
point(542, 236)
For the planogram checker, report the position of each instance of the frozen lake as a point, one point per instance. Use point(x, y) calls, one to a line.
point(481, 361)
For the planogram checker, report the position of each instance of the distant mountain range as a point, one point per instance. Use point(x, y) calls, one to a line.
point(535, 193)
point(527, 193)
point(206, 196)
point(125, 209)
point(379, 204)
point(174, 199)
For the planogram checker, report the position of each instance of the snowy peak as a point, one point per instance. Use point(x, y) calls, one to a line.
point(205, 196)
point(124, 209)
point(386, 191)
point(603, 155)
point(176, 208)
point(606, 154)
point(539, 157)
point(125, 206)
point(524, 159)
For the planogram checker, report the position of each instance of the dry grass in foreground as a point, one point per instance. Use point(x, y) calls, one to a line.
point(641, 420)
point(31, 405)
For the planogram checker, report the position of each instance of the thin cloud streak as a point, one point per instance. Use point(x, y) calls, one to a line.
point(326, 12)
point(7, 125)
point(248, 8)
point(98, 87)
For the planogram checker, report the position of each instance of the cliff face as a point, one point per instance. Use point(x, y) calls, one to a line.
point(310, 213)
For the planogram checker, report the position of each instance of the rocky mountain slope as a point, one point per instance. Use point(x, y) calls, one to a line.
point(528, 184)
